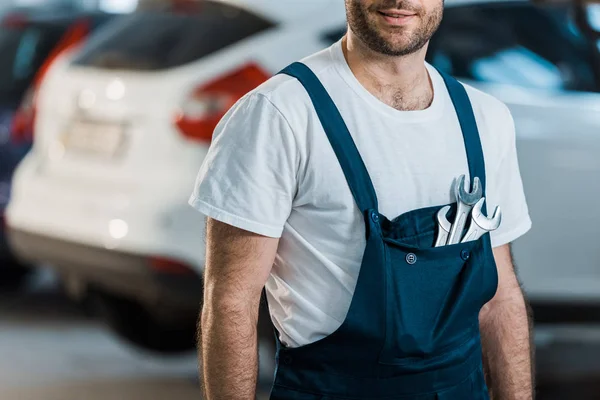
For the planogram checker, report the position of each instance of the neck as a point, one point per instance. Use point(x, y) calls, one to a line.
point(400, 82)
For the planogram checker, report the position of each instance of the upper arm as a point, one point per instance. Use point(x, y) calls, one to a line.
point(238, 262)
point(249, 176)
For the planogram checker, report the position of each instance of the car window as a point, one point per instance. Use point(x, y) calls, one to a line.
point(24, 48)
point(151, 40)
point(518, 44)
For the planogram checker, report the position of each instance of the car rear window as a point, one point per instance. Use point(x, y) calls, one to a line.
point(151, 40)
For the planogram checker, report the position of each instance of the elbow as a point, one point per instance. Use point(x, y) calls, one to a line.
point(223, 301)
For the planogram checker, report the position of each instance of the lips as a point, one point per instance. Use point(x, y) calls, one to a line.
point(397, 17)
point(396, 13)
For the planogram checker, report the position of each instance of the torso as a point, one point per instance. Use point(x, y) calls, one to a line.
point(412, 157)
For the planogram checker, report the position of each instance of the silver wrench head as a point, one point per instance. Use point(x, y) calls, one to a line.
point(487, 224)
point(468, 198)
point(443, 220)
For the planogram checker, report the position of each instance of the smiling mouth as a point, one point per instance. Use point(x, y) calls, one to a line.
point(397, 14)
point(396, 18)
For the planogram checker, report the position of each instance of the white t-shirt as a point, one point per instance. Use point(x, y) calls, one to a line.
point(272, 171)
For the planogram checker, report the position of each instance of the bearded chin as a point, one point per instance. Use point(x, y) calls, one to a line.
point(407, 43)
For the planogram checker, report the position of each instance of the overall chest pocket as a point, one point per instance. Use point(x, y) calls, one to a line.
point(434, 294)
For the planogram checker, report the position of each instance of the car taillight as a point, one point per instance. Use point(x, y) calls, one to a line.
point(24, 118)
point(203, 109)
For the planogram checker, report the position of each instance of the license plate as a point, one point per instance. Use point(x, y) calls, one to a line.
point(97, 138)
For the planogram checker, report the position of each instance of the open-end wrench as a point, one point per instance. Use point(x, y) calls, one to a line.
point(443, 227)
point(466, 201)
point(480, 224)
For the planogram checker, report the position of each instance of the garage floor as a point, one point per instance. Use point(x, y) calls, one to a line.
point(49, 350)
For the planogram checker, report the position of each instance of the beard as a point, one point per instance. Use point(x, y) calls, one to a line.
point(401, 40)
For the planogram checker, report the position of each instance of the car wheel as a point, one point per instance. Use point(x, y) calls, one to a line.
point(132, 322)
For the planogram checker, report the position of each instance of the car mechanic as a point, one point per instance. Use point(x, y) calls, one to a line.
point(322, 187)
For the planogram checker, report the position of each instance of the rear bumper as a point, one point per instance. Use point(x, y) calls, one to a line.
point(152, 219)
point(130, 275)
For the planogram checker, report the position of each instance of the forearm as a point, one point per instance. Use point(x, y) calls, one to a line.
point(228, 344)
point(507, 349)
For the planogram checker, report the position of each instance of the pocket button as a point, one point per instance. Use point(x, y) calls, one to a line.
point(411, 258)
point(374, 216)
point(465, 255)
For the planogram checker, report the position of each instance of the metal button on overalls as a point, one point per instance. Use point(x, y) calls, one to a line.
point(374, 216)
point(411, 258)
point(411, 331)
point(465, 255)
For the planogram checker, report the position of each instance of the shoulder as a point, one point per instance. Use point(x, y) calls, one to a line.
point(490, 113)
point(485, 106)
point(279, 104)
point(494, 120)
point(286, 94)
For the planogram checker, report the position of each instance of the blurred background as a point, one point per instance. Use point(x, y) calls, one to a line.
point(107, 108)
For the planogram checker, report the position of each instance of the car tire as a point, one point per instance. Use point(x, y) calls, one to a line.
point(132, 322)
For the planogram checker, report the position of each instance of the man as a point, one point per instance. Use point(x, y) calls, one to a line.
point(302, 186)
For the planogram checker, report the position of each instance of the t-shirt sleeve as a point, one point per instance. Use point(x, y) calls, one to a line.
point(249, 176)
point(506, 189)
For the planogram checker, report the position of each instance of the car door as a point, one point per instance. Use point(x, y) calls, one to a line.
point(537, 61)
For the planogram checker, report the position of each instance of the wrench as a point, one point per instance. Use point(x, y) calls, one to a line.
point(465, 201)
point(480, 224)
point(443, 227)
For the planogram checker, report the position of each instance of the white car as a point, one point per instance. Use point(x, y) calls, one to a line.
point(123, 126)
point(544, 63)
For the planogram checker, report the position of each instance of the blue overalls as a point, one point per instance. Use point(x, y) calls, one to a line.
point(412, 330)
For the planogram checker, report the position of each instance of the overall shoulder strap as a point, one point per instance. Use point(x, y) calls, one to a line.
point(337, 132)
point(468, 125)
